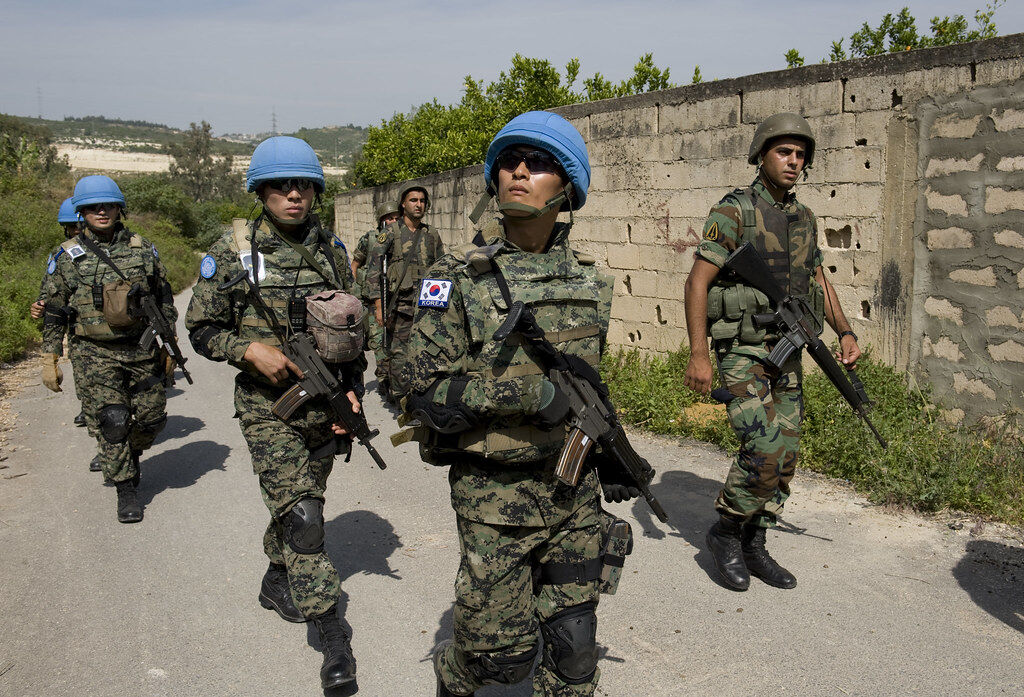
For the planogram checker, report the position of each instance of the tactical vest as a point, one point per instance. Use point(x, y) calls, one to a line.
point(786, 242)
point(405, 271)
point(286, 275)
point(136, 262)
point(566, 295)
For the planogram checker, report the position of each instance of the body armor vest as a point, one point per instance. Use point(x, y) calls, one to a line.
point(136, 262)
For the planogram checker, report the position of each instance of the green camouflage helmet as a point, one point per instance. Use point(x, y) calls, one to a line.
point(385, 209)
point(784, 124)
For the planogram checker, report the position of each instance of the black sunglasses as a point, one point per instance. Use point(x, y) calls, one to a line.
point(285, 185)
point(537, 161)
point(96, 207)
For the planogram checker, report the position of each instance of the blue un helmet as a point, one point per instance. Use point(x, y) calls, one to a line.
point(67, 213)
point(96, 188)
point(284, 157)
point(554, 134)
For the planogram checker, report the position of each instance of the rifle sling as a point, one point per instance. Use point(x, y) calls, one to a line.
point(104, 257)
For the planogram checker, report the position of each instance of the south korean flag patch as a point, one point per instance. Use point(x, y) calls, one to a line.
point(434, 293)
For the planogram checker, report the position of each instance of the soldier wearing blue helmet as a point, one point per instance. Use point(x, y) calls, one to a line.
point(91, 291)
point(531, 546)
point(288, 258)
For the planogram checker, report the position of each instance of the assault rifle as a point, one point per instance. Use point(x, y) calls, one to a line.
point(317, 381)
point(384, 299)
point(160, 328)
point(593, 418)
point(792, 319)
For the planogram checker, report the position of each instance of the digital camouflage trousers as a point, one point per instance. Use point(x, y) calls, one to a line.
point(281, 458)
point(498, 608)
point(766, 412)
point(121, 374)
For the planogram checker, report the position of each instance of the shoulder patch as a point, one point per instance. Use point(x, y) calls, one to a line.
point(208, 267)
point(712, 232)
point(336, 241)
point(156, 255)
point(382, 237)
point(76, 252)
point(51, 264)
point(435, 292)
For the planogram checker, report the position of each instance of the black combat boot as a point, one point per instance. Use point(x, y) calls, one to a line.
point(80, 419)
point(339, 666)
point(724, 544)
point(760, 563)
point(129, 510)
point(275, 594)
point(442, 689)
point(94, 464)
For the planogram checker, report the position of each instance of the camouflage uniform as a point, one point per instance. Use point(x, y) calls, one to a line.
point(767, 408)
point(513, 516)
point(411, 252)
point(112, 368)
point(292, 459)
point(363, 252)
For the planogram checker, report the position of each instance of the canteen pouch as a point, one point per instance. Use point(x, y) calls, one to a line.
point(732, 310)
point(117, 310)
point(616, 545)
point(335, 319)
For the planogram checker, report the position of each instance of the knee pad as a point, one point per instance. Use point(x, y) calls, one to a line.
point(152, 427)
point(570, 643)
point(304, 526)
point(502, 670)
point(114, 421)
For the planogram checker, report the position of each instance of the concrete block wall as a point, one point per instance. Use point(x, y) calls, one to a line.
point(899, 138)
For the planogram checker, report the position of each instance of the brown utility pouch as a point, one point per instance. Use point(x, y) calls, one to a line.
point(335, 319)
point(117, 304)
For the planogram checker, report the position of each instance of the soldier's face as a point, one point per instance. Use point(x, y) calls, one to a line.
point(414, 205)
point(521, 185)
point(288, 207)
point(101, 217)
point(783, 161)
point(389, 218)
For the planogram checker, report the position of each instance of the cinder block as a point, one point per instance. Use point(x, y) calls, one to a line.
point(950, 238)
point(1002, 316)
point(832, 131)
point(1020, 278)
point(944, 309)
point(623, 256)
point(601, 230)
point(1008, 119)
point(669, 339)
point(715, 143)
point(648, 230)
point(816, 99)
point(658, 258)
point(954, 126)
point(635, 309)
point(942, 167)
point(848, 165)
point(696, 116)
point(842, 200)
point(644, 284)
point(1009, 238)
point(1007, 69)
point(872, 127)
point(839, 265)
point(943, 348)
point(975, 277)
point(954, 204)
point(1007, 351)
point(999, 200)
point(963, 384)
point(624, 123)
point(1011, 164)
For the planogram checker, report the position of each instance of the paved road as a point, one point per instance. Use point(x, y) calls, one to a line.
point(887, 604)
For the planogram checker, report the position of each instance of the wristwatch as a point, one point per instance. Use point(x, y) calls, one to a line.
point(848, 332)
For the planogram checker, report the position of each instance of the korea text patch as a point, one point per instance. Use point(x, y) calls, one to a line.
point(435, 293)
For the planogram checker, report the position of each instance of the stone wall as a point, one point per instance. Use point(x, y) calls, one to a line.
point(918, 186)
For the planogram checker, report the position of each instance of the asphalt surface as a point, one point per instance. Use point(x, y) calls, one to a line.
point(887, 604)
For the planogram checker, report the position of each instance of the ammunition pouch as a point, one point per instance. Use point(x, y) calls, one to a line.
point(335, 319)
point(118, 303)
point(616, 545)
point(731, 310)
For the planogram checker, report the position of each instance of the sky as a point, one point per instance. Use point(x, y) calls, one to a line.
point(235, 63)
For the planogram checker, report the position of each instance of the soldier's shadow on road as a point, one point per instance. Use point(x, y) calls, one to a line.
point(180, 468)
point(689, 502)
point(358, 542)
point(992, 573)
point(179, 427)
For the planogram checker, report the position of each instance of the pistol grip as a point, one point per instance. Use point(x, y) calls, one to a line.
point(291, 400)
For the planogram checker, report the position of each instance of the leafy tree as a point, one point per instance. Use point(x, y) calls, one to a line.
point(436, 137)
point(793, 58)
point(200, 174)
point(27, 149)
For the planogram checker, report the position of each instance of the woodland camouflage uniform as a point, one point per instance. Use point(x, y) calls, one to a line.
point(513, 515)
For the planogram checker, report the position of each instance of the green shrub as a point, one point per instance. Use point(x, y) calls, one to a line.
point(928, 466)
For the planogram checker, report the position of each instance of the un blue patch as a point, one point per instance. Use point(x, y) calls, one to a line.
point(338, 243)
point(51, 264)
point(435, 293)
point(155, 255)
point(207, 267)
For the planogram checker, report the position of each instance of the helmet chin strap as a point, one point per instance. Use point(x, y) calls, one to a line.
point(532, 212)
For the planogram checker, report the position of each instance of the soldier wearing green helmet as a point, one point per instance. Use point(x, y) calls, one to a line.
point(765, 406)
point(366, 247)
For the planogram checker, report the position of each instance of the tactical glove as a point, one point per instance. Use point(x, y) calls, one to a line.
point(52, 374)
point(615, 484)
point(554, 406)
